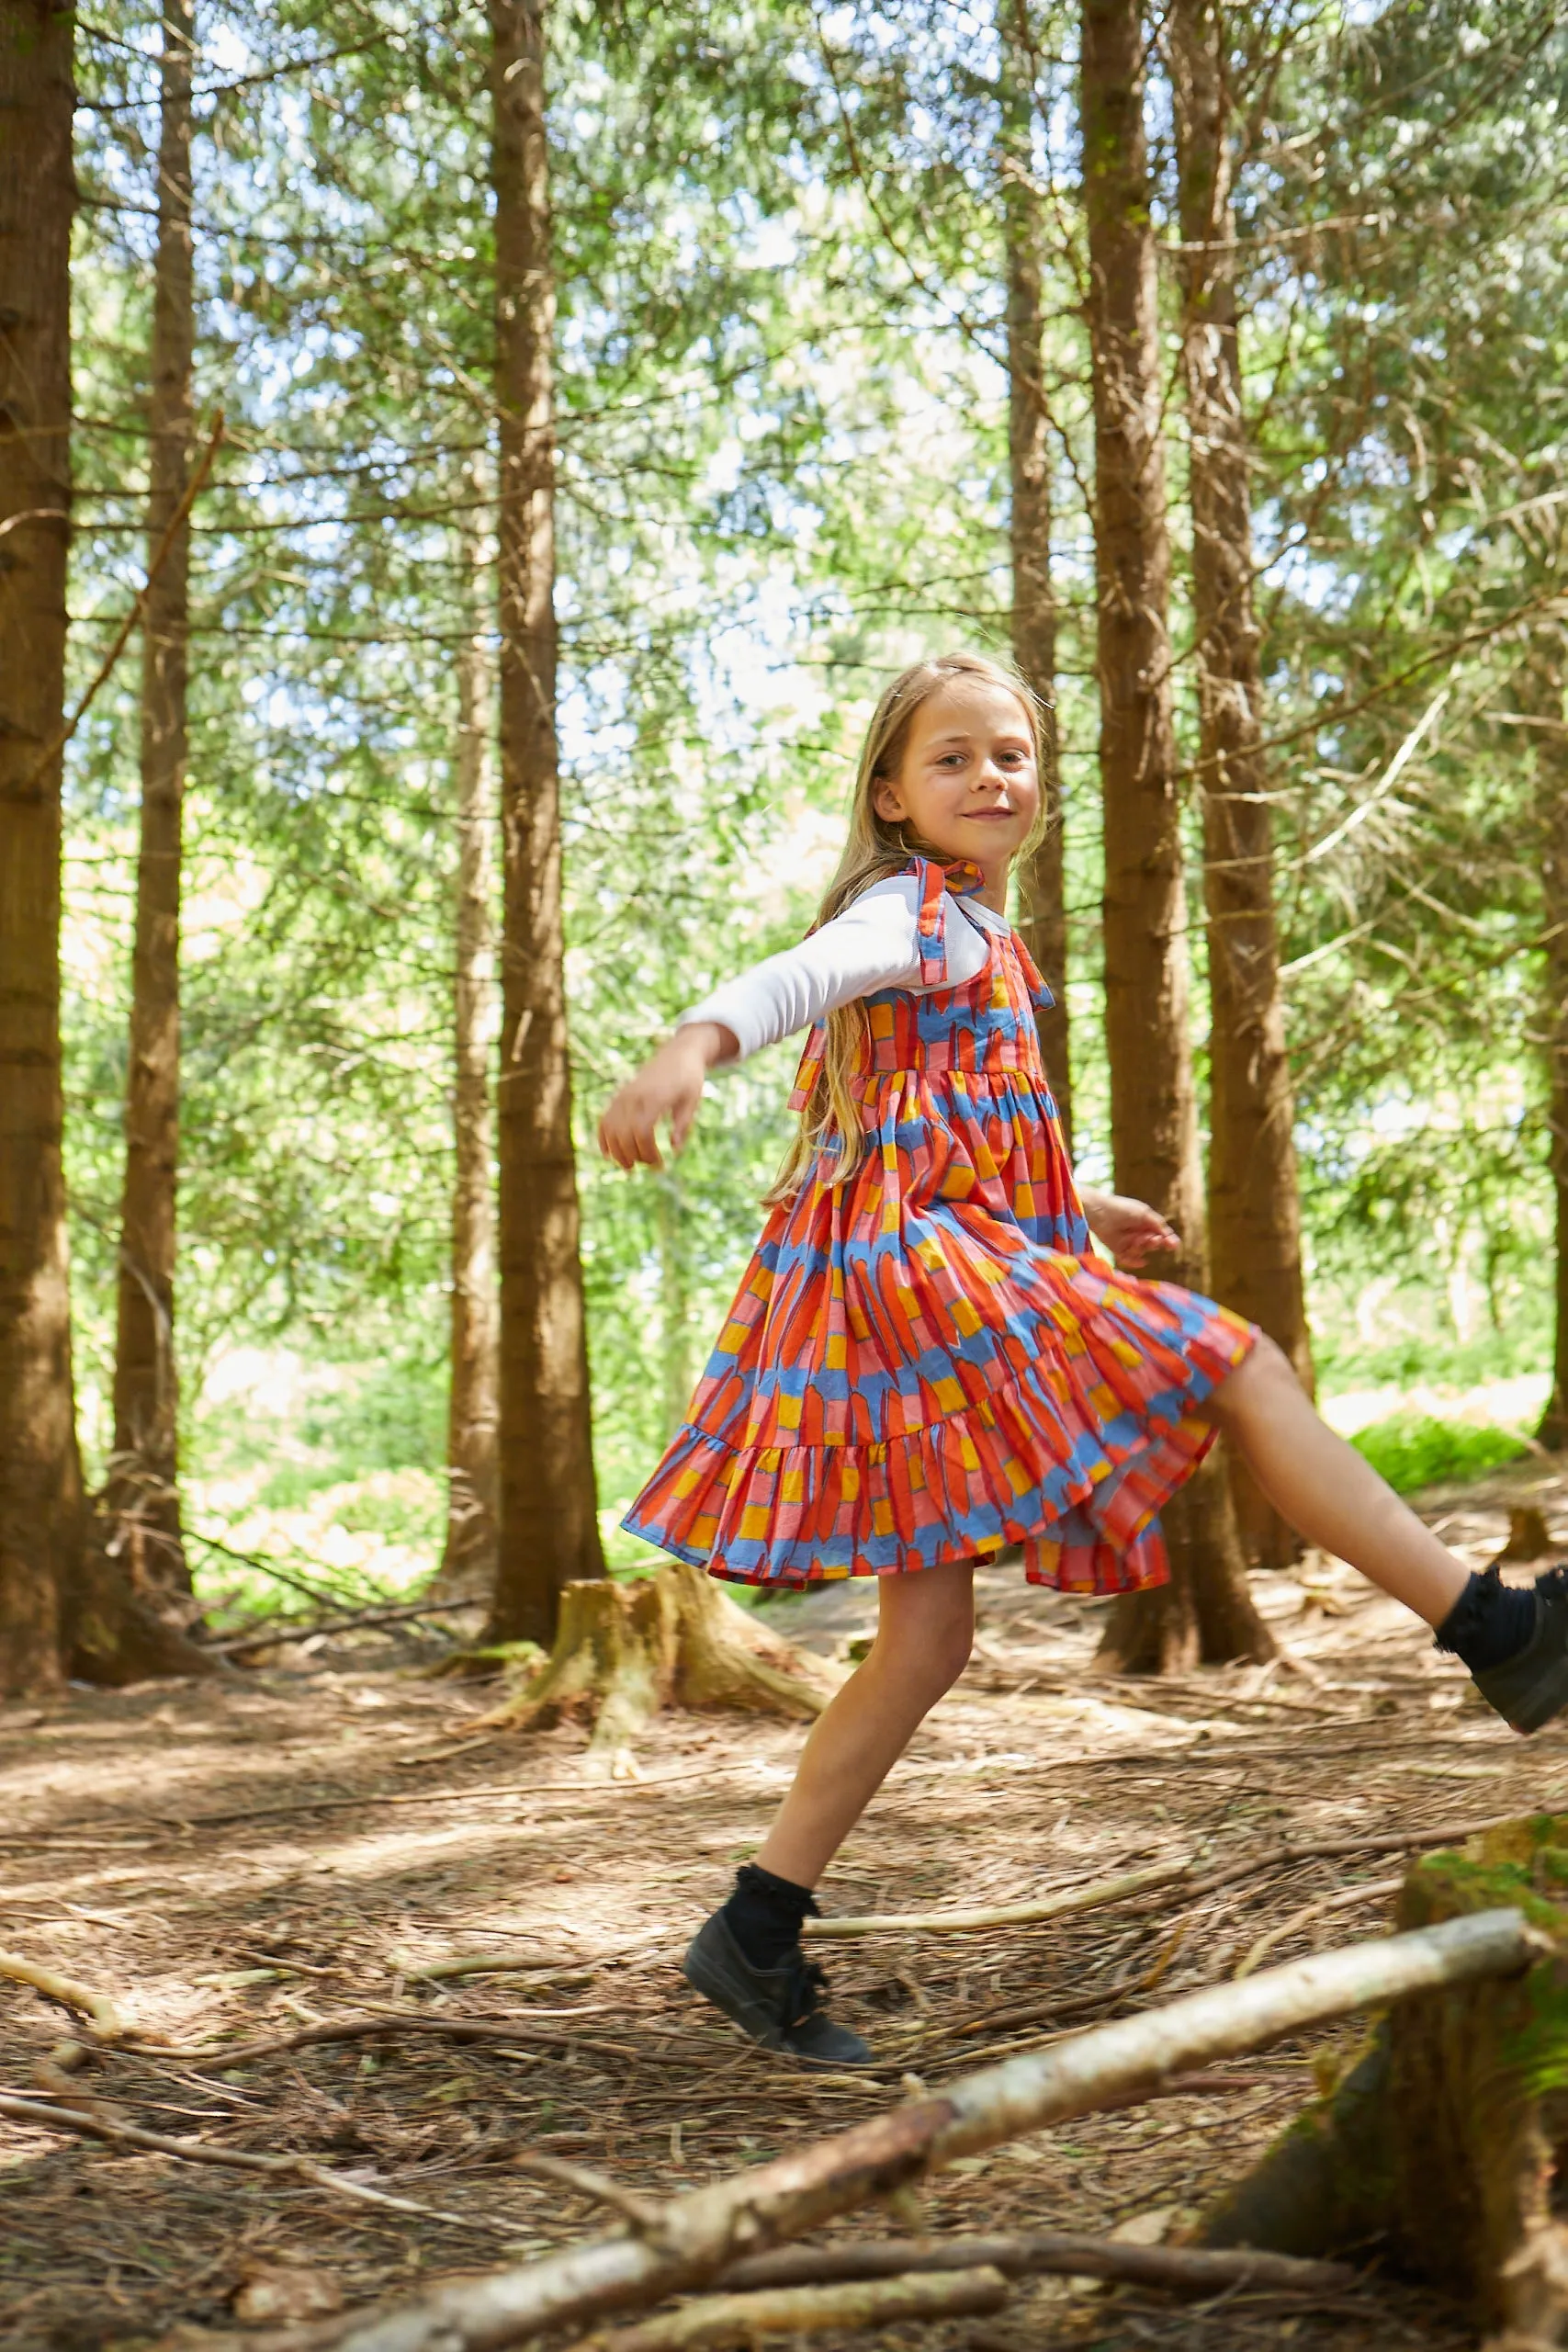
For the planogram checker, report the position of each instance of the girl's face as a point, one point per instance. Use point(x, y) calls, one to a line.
point(968, 783)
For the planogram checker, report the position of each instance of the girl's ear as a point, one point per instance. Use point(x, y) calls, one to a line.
point(887, 800)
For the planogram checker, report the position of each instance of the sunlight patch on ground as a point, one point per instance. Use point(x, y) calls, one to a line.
point(1516, 1404)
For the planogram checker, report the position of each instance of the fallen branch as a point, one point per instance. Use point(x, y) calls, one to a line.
point(702, 2233)
point(49, 2116)
point(1338, 1901)
point(1063, 2253)
point(1087, 1897)
point(643, 2212)
point(393, 2021)
point(105, 2018)
point(1095, 1892)
point(261, 1638)
point(718, 2320)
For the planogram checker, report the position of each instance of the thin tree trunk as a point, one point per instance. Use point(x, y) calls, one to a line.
point(549, 1528)
point(1205, 1610)
point(468, 1561)
point(1546, 703)
point(1255, 1236)
point(143, 1495)
point(1041, 882)
point(41, 1490)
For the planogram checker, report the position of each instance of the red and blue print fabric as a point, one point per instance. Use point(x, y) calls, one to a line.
point(925, 1362)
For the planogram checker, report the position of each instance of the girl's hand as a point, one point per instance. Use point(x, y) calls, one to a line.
point(668, 1086)
point(1130, 1229)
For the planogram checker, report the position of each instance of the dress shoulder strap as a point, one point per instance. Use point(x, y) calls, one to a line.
point(1038, 993)
point(930, 922)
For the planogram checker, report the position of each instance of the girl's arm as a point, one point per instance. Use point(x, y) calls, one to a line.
point(873, 944)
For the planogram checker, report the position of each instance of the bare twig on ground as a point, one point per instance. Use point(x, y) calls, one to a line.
point(100, 2011)
point(645, 2211)
point(1065, 2253)
point(54, 2117)
point(699, 2233)
point(394, 2022)
point(1364, 1891)
point(1097, 1893)
point(1089, 1897)
point(718, 2320)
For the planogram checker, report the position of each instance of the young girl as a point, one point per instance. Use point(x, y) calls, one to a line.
point(925, 1362)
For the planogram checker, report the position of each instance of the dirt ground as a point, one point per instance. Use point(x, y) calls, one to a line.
point(234, 1862)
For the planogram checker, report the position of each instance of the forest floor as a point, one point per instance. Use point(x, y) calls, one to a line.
point(238, 1861)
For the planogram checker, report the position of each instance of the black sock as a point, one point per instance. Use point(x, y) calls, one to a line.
point(1489, 1624)
point(765, 1914)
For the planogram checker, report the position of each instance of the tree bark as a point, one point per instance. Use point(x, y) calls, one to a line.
point(1041, 893)
point(468, 1561)
point(1205, 1610)
point(142, 1496)
point(549, 1523)
point(40, 1483)
point(1545, 703)
point(1255, 1236)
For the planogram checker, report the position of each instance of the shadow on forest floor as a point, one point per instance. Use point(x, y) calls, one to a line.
point(244, 1859)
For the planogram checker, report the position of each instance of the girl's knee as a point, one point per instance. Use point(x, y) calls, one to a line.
point(1265, 1371)
point(927, 1645)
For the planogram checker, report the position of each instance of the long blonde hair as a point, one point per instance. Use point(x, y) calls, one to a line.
point(878, 847)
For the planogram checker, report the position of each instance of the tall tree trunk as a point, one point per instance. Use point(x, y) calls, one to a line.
point(468, 1561)
point(1544, 701)
point(1041, 882)
point(41, 1485)
point(1255, 1235)
point(142, 1494)
point(549, 1527)
point(1205, 1610)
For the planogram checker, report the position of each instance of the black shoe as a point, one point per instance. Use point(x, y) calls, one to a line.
point(1531, 1686)
point(780, 2008)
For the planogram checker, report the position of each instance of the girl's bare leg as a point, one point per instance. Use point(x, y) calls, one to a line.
point(925, 1631)
point(1329, 1493)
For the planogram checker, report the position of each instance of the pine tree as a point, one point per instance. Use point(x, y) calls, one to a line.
point(1205, 1610)
point(142, 1494)
point(1041, 882)
point(1255, 1239)
point(468, 1560)
point(549, 1528)
point(41, 1485)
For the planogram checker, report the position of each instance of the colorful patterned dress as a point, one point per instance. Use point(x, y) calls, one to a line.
point(924, 1363)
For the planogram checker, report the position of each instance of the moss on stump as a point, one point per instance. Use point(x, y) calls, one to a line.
point(1447, 2143)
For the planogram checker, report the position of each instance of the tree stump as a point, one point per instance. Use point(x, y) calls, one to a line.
point(622, 1652)
point(1447, 2142)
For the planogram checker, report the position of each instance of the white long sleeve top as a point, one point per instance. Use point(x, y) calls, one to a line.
point(873, 944)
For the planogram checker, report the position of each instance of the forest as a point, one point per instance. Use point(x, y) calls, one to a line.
point(465, 474)
point(805, 343)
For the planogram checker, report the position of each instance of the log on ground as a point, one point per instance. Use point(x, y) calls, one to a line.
point(700, 2235)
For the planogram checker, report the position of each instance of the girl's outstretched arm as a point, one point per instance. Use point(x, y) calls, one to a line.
point(668, 1086)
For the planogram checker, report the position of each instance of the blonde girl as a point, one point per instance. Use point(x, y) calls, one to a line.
point(925, 1360)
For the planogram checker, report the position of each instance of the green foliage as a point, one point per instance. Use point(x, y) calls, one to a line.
point(1414, 1451)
